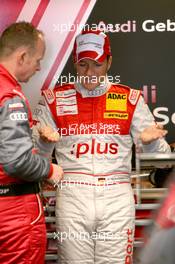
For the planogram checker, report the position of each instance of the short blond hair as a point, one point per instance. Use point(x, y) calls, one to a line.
point(17, 35)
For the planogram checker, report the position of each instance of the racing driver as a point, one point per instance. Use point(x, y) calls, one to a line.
point(98, 122)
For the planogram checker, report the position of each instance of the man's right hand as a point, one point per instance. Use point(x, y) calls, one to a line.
point(48, 134)
point(57, 175)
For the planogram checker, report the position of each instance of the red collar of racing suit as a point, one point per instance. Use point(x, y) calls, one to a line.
point(10, 88)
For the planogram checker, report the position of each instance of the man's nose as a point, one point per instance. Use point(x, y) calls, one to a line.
point(38, 68)
point(89, 71)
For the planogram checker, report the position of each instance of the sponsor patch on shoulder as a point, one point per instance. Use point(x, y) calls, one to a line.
point(49, 95)
point(133, 96)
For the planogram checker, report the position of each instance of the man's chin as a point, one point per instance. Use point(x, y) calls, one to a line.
point(24, 80)
point(90, 86)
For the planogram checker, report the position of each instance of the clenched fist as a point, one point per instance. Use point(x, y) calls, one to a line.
point(48, 134)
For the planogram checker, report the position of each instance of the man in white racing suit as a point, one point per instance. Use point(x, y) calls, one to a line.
point(98, 122)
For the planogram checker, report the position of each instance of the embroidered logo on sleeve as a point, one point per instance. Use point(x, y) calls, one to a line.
point(49, 95)
point(15, 106)
point(133, 96)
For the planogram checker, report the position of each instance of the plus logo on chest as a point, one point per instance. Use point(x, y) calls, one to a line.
point(94, 147)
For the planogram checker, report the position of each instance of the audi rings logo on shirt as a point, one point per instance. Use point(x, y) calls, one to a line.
point(18, 116)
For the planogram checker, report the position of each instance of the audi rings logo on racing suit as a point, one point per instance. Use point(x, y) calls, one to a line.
point(94, 148)
point(18, 116)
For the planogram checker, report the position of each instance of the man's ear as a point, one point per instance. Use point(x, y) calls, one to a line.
point(109, 63)
point(21, 56)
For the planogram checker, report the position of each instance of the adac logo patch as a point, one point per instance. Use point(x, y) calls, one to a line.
point(116, 115)
point(116, 101)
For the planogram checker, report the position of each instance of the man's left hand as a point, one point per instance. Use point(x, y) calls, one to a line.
point(152, 133)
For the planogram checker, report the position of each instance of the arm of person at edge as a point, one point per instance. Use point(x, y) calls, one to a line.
point(18, 158)
point(144, 130)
